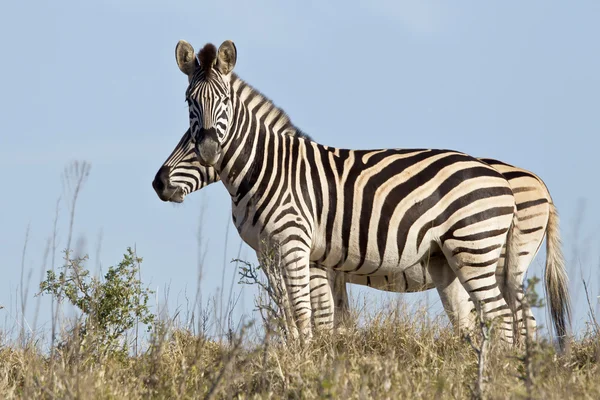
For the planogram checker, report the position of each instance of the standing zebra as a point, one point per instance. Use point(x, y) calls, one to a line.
point(365, 212)
point(182, 174)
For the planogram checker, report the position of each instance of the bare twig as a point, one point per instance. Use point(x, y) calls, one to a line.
point(42, 272)
point(231, 357)
point(75, 175)
point(484, 330)
point(24, 291)
point(202, 251)
point(272, 301)
point(528, 357)
point(591, 308)
point(222, 289)
point(528, 298)
point(54, 306)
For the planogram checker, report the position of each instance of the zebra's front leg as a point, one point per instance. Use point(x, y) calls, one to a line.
point(295, 259)
point(321, 298)
point(338, 282)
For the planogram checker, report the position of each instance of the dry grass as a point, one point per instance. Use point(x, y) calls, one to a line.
point(392, 355)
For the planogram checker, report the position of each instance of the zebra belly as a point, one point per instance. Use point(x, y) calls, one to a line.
point(394, 260)
point(374, 266)
point(413, 279)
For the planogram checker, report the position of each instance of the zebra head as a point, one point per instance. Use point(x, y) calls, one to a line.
point(182, 174)
point(208, 95)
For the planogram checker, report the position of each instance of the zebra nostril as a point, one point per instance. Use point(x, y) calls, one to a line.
point(161, 180)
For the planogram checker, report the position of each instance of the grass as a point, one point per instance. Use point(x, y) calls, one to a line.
point(393, 354)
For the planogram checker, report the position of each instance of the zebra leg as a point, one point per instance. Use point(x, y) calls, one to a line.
point(523, 314)
point(321, 298)
point(284, 301)
point(477, 274)
point(455, 299)
point(338, 280)
point(296, 264)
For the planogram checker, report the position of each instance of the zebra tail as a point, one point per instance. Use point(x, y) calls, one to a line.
point(556, 280)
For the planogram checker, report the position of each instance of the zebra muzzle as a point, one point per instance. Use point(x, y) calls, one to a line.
point(163, 187)
point(208, 148)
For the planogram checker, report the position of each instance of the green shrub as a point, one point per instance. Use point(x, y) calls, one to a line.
point(110, 307)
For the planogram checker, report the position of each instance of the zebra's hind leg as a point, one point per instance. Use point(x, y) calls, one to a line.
point(455, 299)
point(524, 315)
point(321, 298)
point(477, 274)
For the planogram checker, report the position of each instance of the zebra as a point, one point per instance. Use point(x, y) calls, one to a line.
point(182, 174)
point(363, 212)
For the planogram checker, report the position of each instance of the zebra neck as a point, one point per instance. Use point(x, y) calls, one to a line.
point(263, 113)
point(259, 133)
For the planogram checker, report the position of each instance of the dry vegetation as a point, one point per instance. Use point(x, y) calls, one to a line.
point(393, 356)
point(392, 353)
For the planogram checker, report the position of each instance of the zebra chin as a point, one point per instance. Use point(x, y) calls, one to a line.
point(173, 194)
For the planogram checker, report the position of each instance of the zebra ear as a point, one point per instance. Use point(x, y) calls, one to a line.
point(186, 59)
point(227, 57)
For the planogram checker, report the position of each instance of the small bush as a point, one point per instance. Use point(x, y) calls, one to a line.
point(110, 307)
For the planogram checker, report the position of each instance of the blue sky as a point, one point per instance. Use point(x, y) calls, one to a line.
point(97, 81)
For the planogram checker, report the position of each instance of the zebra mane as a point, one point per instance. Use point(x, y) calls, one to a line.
point(302, 134)
point(289, 129)
point(207, 57)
